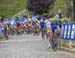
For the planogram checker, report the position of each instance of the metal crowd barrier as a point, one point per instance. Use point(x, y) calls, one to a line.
point(67, 35)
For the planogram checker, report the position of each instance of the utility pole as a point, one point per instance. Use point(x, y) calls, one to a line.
point(68, 8)
point(74, 9)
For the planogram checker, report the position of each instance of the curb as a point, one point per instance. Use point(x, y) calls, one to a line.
point(71, 50)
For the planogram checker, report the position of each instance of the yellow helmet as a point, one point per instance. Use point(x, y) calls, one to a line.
point(54, 19)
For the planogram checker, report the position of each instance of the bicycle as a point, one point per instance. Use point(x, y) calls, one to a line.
point(55, 40)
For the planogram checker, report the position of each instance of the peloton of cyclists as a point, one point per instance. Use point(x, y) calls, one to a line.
point(34, 24)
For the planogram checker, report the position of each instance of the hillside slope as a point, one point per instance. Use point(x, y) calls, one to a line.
point(8, 8)
point(59, 4)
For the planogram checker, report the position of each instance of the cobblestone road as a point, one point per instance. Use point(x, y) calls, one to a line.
point(29, 46)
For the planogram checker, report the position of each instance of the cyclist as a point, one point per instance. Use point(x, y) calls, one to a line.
point(3, 28)
point(1, 33)
point(12, 26)
point(17, 25)
point(42, 27)
point(25, 20)
point(34, 24)
point(55, 33)
point(29, 25)
point(49, 32)
point(21, 24)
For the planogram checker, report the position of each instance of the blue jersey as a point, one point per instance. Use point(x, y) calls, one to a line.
point(25, 18)
point(21, 20)
point(9, 20)
point(16, 19)
point(0, 29)
point(42, 25)
point(34, 18)
point(54, 26)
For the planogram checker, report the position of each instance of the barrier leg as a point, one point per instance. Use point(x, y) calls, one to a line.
point(70, 42)
point(61, 43)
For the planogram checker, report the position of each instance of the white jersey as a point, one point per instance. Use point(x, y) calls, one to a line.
point(12, 22)
point(25, 20)
point(48, 24)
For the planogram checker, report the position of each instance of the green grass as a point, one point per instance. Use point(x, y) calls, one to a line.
point(59, 3)
point(8, 8)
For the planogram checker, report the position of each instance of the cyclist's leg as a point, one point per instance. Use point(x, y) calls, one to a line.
point(35, 30)
point(42, 33)
point(12, 30)
point(22, 28)
point(38, 30)
point(53, 44)
point(5, 34)
point(46, 34)
point(55, 41)
point(50, 35)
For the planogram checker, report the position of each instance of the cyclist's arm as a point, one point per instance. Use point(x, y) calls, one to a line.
point(58, 28)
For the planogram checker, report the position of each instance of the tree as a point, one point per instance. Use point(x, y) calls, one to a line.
point(39, 6)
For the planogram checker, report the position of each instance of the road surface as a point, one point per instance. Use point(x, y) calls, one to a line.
point(29, 46)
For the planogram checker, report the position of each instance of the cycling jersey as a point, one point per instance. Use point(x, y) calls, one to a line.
point(12, 21)
point(21, 20)
point(42, 24)
point(1, 31)
point(29, 19)
point(33, 17)
point(48, 24)
point(16, 20)
point(54, 26)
